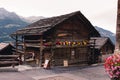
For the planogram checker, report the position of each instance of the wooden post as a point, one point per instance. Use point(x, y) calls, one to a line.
point(117, 46)
point(93, 51)
point(16, 44)
point(41, 48)
point(24, 49)
point(52, 56)
point(53, 39)
point(91, 58)
point(20, 56)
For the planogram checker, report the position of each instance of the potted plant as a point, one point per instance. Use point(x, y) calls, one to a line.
point(112, 66)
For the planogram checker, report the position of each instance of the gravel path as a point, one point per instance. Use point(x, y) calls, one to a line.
point(56, 78)
point(58, 73)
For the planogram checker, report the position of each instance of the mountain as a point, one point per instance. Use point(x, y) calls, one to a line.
point(9, 22)
point(106, 33)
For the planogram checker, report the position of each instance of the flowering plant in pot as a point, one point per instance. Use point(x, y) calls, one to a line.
point(112, 66)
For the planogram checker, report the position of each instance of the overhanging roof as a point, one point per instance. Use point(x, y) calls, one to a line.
point(46, 24)
point(100, 41)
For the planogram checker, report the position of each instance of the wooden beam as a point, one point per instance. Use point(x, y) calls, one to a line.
point(18, 51)
point(35, 41)
point(16, 44)
point(11, 56)
point(24, 50)
point(30, 45)
point(117, 46)
point(8, 62)
point(41, 48)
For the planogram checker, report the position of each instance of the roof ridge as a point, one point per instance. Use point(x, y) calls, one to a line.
point(69, 15)
point(48, 23)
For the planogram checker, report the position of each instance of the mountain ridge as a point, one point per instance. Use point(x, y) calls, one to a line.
point(9, 22)
point(106, 33)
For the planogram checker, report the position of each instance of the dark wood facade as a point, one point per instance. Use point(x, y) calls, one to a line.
point(58, 39)
point(103, 48)
point(6, 49)
point(7, 57)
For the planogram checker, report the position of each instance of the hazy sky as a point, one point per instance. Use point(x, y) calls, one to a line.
point(100, 13)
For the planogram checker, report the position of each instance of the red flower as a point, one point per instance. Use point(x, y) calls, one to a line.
point(112, 65)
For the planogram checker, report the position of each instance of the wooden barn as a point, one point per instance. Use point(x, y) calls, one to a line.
point(104, 47)
point(6, 49)
point(62, 40)
point(7, 58)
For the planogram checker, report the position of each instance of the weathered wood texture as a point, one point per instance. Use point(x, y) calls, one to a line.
point(45, 37)
point(8, 60)
point(117, 46)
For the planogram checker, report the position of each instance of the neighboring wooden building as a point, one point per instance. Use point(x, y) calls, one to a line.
point(103, 48)
point(7, 58)
point(62, 39)
point(6, 49)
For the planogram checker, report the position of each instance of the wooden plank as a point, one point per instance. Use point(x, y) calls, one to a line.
point(8, 59)
point(16, 43)
point(9, 62)
point(30, 45)
point(12, 56)
point(32, 40)
point(24, 50)
point(18, 51)
point(41, 48)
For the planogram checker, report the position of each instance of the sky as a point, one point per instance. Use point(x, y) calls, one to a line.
point(101, 13)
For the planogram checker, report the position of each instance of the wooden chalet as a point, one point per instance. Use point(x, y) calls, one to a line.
point(6, 49)
point(7, 58)
point(103, 48)
point(64, 40)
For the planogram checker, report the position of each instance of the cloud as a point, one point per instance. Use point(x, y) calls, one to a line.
point(106, 20)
